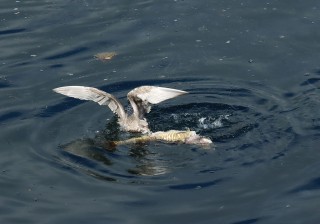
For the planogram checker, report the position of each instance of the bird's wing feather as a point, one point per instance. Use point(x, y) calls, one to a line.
point(141, 97)
point(93, 94)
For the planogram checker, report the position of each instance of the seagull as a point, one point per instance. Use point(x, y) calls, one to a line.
point(140, 99)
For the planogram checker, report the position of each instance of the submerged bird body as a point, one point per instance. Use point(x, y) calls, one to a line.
point(140, 99)
point(172, 136)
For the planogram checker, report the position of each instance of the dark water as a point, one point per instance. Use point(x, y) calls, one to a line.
point(252, 70)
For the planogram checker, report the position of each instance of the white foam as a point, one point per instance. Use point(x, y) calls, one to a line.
point(209, 123)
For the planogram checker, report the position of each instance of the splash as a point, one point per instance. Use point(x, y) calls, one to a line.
point(211, 123)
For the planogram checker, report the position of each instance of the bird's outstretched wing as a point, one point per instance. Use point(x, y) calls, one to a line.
point(93, 94)
point(141, 98)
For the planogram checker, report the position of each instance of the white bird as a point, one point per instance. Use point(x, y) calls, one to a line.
point(140, 99)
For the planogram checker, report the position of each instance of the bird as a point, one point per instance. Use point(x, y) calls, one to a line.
point(140, 99)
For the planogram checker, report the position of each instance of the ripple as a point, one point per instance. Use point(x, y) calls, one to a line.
point(248, 221)
point(205, 118)
point(4, 83)
point(196, 185)
point(248, 123)
point(304, 103)
point(12, 31)
point(10, 115)
point(67, 53)
point(312, 185)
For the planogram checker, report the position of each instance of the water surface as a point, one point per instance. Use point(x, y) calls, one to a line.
point(252, 71)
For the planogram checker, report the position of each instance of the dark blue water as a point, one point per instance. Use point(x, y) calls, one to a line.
point(252, 70)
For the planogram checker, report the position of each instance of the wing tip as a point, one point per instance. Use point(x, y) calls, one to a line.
point(58, 89)
point(69, 88)
point(174, 90)
point(183, 92)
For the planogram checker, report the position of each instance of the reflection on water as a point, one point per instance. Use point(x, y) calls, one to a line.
point(86, 148)
point(98, 150)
